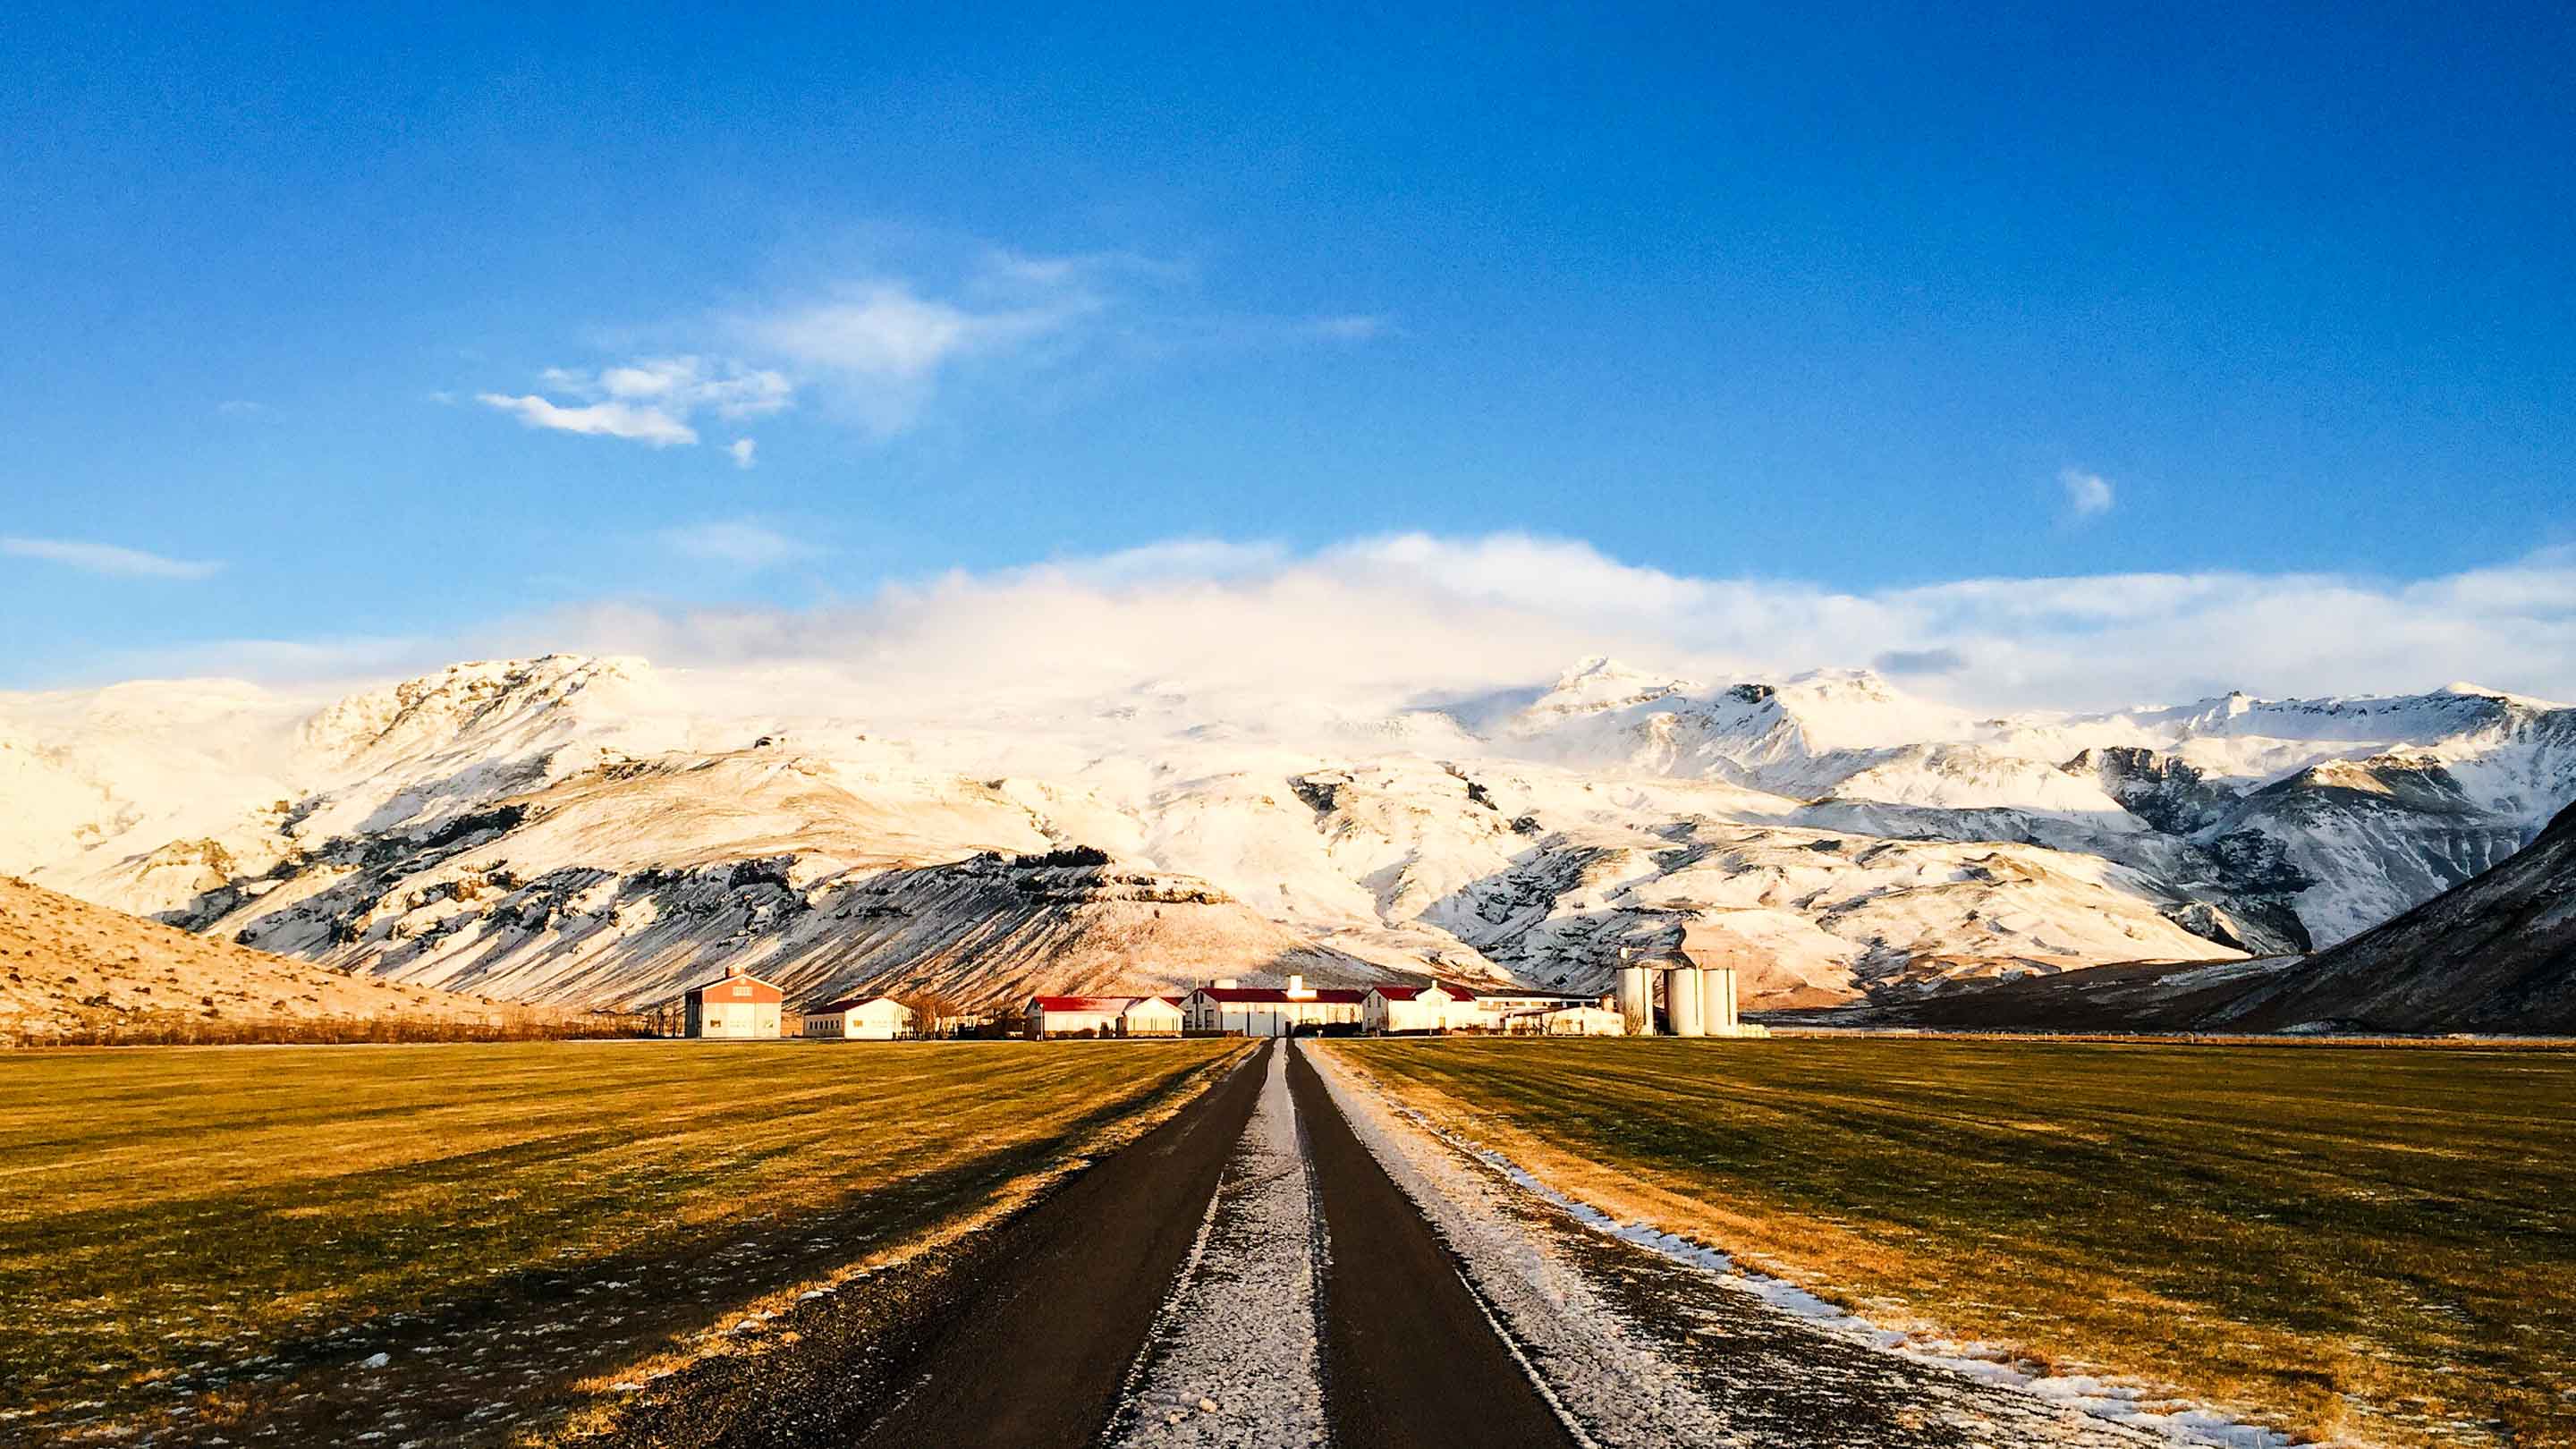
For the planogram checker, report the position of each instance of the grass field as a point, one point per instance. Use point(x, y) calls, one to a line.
point(194, 1238)
point(2375, 1243)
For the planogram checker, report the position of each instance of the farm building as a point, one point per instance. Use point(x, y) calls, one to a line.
point(1151, 1016)
point(735, 1007)
point(1417, 1008)
point(1496, 1005)
point(860, 1018)
point(1075, 1015)
point(1270, 1010)
point(1585, 1019)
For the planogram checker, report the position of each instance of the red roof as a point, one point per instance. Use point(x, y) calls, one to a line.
point(1110, 1004)
point(1266, 995)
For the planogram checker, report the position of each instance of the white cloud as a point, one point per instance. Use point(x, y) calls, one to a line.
point(881, 347)
point(2088, 494)
point(650, 399)
point(743, 450)
point(107, 558)
point(1369, 625)
point(686, 384)
point(1373, 623)
point(644, 424)
point(741, 542)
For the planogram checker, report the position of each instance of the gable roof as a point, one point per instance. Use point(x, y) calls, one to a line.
point(729, 978)
point(1278, 995)
point(1157, 1000)
point(850, 1003)
point(1411, 993)
point(1110, 1005)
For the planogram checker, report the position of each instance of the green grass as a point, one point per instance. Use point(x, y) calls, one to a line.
point(2372, 1242)
point(242, 1224)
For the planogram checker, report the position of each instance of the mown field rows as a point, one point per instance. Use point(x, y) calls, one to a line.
point(2369, 1242)
point(191, 1238)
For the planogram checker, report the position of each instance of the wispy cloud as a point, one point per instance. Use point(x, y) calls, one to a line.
point(2087, 494)
point(644, 423)
point(683, 384)
point(744, 451)
point(879, 348)
point(882, 348)
point(107, 558)
point(649, 400)
point(242, 408)
point(741, 542)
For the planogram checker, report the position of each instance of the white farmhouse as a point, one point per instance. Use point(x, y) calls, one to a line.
point(860, 1018)
point(1399, 1009)
point(1150, 1016)
point(1075, 1015)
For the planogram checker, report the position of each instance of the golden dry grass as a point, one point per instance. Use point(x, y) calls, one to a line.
point(2367, 1243)
point(71, 968)
point(197, 1237)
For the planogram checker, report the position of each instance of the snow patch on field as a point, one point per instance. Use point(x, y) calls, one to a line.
point(1384, 1126)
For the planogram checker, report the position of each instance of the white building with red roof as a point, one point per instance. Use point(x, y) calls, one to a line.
point(1075, 1015)
point(1399, 1009)
point(1271, 1010)
point(1132, 1016)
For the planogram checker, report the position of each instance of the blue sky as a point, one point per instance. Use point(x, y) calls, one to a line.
point(327, 334)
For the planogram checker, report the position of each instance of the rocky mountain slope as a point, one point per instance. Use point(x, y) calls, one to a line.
point(2496, 955)
point(599, 831)
point(66, 964)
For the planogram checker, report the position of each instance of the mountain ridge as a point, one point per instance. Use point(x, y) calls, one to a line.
point(1858, 842)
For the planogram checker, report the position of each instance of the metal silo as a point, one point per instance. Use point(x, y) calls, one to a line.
point(1682, 1001)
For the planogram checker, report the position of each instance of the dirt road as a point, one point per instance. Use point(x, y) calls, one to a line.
point(1286, 1263)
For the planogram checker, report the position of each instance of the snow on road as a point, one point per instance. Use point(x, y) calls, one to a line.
point(1234, 1356)
point(1648, 1348)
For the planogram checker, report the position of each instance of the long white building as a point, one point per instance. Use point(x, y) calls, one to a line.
point(1271, 1010)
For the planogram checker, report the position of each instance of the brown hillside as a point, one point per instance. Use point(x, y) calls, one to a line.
point(67, 966)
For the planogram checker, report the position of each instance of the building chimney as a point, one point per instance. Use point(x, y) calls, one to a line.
point(1297, 987)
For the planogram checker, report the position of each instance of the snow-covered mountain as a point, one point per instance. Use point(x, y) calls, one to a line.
point(598, 830)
